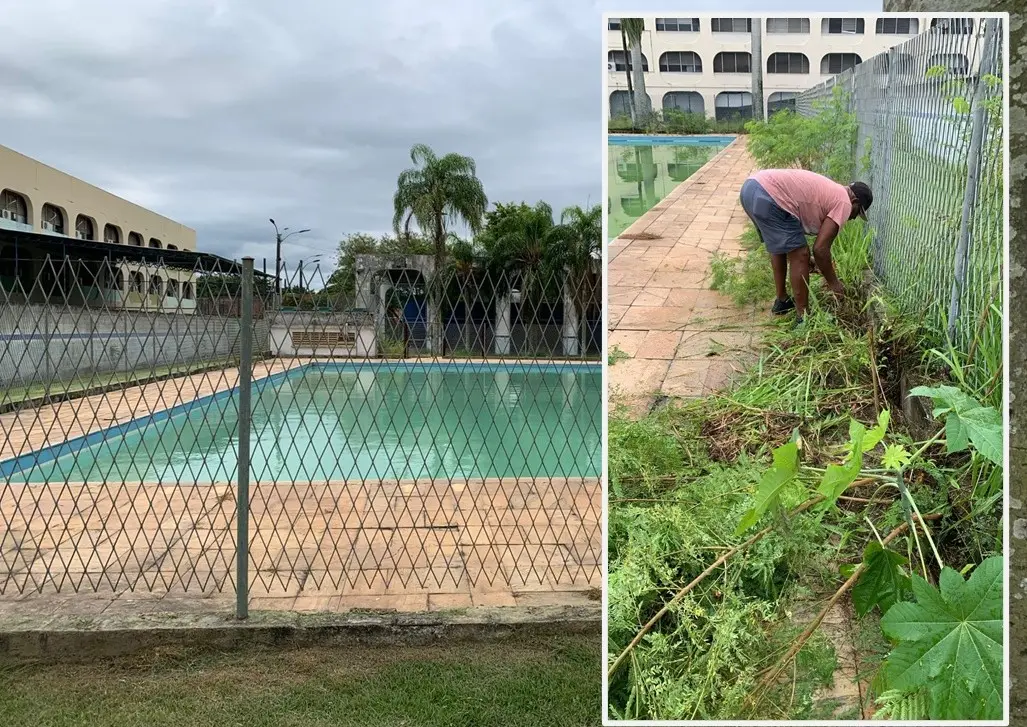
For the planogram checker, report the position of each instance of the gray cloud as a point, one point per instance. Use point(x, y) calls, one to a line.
point(222, 113)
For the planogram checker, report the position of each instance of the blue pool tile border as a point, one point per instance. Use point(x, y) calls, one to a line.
point(74, 446)
point(663, 140)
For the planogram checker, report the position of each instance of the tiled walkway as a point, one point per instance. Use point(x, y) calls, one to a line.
point(669, 333)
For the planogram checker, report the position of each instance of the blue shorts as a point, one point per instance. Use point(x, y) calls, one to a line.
point(780, 231)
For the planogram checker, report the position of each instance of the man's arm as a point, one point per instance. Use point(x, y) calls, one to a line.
point(822, 253)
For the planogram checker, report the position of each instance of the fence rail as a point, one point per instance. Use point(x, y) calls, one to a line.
point(210, 449)
point(930, 144)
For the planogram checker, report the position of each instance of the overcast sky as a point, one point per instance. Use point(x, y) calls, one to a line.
point(222, 113)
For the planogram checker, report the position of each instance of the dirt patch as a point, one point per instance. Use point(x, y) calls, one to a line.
point(732, 433)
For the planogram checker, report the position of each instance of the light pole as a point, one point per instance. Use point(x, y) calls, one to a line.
point(280, 237)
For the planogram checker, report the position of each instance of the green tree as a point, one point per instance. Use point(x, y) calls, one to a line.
point(464, 266)
point(340, 287)
point(581, 256)
point(633, 29)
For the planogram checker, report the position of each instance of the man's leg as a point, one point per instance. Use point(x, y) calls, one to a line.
point(780, 265)
point(798, 265)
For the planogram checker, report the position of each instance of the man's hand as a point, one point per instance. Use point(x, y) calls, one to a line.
point(837, 289)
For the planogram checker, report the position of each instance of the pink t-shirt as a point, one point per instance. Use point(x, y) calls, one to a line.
point(809, 196)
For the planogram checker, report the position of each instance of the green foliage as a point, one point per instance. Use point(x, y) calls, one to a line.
point(615, 355)
point(824, 143)
point(966, 421)
point(895, 704)
point(673, 121)
point(950, 643)
point(883, 582)
point(341, 285)
point(773, 482)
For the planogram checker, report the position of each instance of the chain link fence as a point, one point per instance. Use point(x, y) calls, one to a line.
point(210, 430)
point(930, 144)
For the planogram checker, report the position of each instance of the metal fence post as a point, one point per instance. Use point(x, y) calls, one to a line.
point(978, 121)
point(242, 538)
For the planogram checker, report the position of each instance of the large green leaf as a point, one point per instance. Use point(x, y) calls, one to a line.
point(966, 421)
point(950, 641)
point(786, 465)
point(838, 477)
point(882, 582)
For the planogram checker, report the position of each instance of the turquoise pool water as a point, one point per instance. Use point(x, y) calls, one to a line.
point(642, 170)
point(360, 422)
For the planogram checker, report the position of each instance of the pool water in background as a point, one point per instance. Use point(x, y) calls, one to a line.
point(644, 169)
point(368, 422)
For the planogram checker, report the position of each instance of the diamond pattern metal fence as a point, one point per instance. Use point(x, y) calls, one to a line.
point(930, 144)
point(417, 426)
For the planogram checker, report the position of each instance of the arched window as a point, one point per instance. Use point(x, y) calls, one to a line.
point(620, 103)
point(835, 63)
point(616, 57)
point(734, 105)
point(53, 219)
point(680, 62)
point(156, 285)
point(732, 62)
point(187, 291)
point(111, 234)
point(781, 100)
point(172, 247)
point(787, 63)
point(952, 26)
point(135, 239)
point(955, 63)
point(14, 207)
point(897, 26)
point(154, 242)
point(118, 281)
point(689, 102)
point(85, 229)
point(173, 288)
point(137, 282)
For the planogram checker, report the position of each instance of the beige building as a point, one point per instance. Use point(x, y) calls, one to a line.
point(40, 200)
point(703, 65)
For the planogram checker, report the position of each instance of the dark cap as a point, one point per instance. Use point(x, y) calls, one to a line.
point(864, 197)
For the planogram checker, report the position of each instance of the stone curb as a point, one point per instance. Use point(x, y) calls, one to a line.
point(72, 639)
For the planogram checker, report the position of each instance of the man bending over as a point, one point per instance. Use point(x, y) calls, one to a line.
point(785, 205)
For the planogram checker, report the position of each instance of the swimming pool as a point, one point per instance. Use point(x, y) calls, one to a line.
point(642, 170)
point(381, 421)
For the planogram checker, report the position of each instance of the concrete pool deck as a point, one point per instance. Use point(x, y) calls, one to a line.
point(669, 334)
point(417, 545)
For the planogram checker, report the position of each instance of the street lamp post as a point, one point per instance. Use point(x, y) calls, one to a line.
point(280, 237)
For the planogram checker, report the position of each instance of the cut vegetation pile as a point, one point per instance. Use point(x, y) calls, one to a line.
point(805, 486)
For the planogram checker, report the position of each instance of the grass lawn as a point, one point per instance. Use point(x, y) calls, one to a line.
point(553, 682)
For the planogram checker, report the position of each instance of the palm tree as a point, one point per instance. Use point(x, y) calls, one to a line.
point(627, 74)
point(436, 191)
point(633, 28)
point(464, 265)
point(532, 254)
point(582, 254)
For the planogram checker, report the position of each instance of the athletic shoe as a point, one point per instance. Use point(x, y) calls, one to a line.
point(782, 306)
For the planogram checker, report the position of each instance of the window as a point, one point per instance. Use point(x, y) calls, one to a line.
point(954, 26)
point(173, 288)
point(111, 234)
point(780, 101)
point(154, 242)
point(680, 62)
point(187, 291)
point(689, 102)
point(897, 26)
point(157, 285)
point(117, 280)
point(14, 207)
point(842, 26)
point(734, 105)
point(620, 104)
point(732, 62)
point(84, 228)
point(731, 25)
point(135, 239)
point(53, 219)
point(613, 24)
point(834, 63)
point(787, 63)
point(137, 282)
point(172, 247)
point(955, 63)
point(679, 25)
point(788, 25)
point(616, 57)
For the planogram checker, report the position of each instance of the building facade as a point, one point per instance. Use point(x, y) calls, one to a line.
point(39, 199)
point(704, 65)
